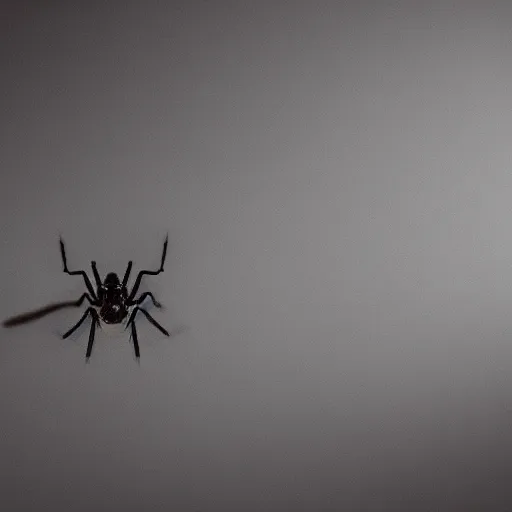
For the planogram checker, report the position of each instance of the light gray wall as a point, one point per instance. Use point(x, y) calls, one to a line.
point(335, 180)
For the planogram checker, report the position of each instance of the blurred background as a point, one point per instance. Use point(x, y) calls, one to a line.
point(335, 181)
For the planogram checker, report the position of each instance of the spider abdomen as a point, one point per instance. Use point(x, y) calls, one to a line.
point(113, 313)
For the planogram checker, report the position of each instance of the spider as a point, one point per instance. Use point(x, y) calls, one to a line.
point(110, 303)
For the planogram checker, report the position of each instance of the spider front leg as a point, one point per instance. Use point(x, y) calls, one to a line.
point(77, 272)
point(96, 274)
point(127, 273)
point(95, 320)
point(135, 288)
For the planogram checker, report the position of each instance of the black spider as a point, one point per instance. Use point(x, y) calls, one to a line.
point(111, 298)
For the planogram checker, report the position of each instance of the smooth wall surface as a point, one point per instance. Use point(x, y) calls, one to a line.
point(335, 179)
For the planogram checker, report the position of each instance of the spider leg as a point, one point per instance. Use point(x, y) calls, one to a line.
point(82, 298)
point(96, 275)
point(148, 272)
point(76, 272)
point(127, 273)
point(142, 298)
point(149, 317)
point(95, 321)
point(89, 311)
point(135, 341)
point(131, 322)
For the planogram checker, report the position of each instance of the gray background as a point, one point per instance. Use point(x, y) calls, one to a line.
point(335, 180)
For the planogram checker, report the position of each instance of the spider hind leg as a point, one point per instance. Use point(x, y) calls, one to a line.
point(95, 321)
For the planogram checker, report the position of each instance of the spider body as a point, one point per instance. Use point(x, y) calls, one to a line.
point(113, 297)
point(110, 302)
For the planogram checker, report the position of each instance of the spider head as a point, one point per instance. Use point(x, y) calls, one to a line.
point(112, 291)
point(111, 280)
